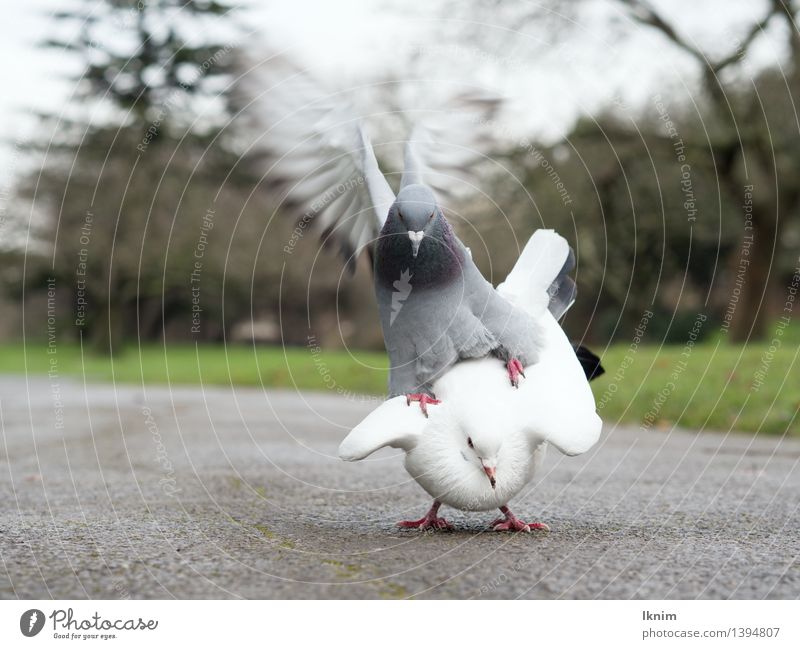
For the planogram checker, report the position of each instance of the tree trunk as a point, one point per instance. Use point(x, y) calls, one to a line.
point(752, 316)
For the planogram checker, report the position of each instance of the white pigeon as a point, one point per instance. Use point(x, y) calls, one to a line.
point(482, 444)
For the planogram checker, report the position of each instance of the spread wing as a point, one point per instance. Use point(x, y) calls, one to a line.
point(392, 423)
point(539, 279)
point(450, 140)
point(556, 402)
point(314, 150)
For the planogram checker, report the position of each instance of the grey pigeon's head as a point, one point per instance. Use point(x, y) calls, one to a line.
point(416, 213)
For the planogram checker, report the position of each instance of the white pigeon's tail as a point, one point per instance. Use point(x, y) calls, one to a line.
point(539, 279)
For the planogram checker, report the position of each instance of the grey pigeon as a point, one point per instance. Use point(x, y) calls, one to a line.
point(436, 308)
point(449, 311)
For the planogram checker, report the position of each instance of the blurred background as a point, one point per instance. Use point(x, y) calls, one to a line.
point(661, 138)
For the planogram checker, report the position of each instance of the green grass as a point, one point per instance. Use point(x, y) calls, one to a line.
point(714, 389)
point(293, 367)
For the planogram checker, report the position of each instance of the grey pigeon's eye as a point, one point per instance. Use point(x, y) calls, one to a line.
point(400, 215)
point(469, 441)
point(431, 216)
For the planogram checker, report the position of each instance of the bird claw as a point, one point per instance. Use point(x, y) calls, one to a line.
point(426, 523)
point(431, 520)
point(515, 370)
point(519, 526)
point(423, 399)
point(512, 524)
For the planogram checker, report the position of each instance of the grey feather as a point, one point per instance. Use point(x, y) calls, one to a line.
point(435, 306)
point(316, 154)
point(449, 313)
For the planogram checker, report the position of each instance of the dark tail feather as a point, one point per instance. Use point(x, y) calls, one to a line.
point(589, 362)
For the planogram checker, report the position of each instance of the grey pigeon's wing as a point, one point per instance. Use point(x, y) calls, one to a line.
point(448, 142)
point(315, 151)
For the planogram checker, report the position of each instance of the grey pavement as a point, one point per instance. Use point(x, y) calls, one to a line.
point(162, 492)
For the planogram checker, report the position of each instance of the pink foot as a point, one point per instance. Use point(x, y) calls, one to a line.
point(515, 370)
point(430, 521)
point(423, 399)
point(512, 524)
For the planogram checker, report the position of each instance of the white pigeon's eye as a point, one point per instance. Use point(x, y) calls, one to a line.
point(469, 441)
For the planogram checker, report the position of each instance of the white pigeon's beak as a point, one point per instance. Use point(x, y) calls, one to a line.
point(490, 473)
point(416, 239)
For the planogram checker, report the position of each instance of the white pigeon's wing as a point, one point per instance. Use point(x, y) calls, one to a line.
point(541, 267)
point(554, 402)
point(449, 141)
point(314, 150)
point(393, 423)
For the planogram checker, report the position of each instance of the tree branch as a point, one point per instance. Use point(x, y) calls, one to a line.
point(643, 12)
point(747, 41)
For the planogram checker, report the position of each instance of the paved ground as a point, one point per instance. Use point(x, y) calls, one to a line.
point(219, 494)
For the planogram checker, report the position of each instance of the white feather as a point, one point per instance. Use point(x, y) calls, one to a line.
point(393, 423)
point(541, 260)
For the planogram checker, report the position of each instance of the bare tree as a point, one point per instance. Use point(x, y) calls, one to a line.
point(753, 135)
point(743, 149)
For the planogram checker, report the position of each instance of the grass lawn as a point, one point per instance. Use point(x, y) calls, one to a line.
point(292, 367)
point(715, 386)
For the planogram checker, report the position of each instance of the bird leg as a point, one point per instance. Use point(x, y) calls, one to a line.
point(424, 400)
point(513, 365)
point(515, 370)
point(512, 524)
point(430, 521)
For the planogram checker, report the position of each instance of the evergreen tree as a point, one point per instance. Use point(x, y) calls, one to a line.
point(131, 169)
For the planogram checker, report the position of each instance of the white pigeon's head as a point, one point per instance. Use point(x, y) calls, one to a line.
point(489, 439)
point(416, 213)
point(483, 449)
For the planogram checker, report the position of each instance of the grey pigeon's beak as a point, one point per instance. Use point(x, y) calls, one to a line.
point(416, 239)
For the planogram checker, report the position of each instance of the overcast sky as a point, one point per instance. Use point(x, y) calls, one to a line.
point(553, 75)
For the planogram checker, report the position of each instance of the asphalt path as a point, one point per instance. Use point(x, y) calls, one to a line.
point(159, 492)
